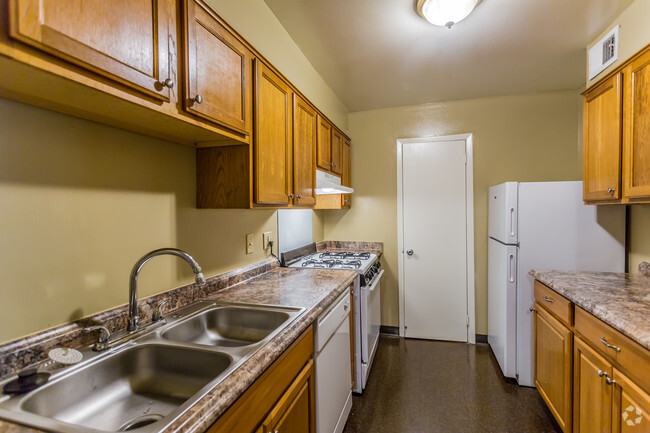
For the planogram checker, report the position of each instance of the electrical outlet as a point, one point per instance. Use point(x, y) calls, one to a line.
point(249, 243)
point(266, 237)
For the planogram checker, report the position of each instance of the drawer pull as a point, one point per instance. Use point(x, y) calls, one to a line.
point(609, 346)
point(547, 299)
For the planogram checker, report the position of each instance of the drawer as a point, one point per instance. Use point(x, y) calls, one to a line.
point(630, 356)
point(557, 304)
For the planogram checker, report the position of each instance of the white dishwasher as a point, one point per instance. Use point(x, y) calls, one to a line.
point(332, 364)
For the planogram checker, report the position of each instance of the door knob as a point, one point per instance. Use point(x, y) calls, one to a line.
point(409, 252)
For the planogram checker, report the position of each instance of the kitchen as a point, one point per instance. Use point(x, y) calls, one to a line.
point(83, 201)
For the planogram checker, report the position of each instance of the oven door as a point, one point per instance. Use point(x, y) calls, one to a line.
point(370, 323)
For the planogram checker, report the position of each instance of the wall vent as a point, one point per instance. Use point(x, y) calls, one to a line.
point(603, 53)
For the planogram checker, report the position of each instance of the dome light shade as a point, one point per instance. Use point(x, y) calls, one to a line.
point(445, 12)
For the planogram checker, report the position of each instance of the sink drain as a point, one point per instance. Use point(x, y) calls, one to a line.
point(141, 421)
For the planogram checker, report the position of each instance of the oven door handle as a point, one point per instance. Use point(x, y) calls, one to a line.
point(375, 281)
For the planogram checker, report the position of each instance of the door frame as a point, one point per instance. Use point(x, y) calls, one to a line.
point(469, 224)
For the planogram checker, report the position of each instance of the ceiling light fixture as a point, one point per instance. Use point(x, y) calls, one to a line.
point(445, 12)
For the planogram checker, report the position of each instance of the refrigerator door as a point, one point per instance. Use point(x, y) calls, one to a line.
point(557, 231)
point(502, 304)
point(502, 221)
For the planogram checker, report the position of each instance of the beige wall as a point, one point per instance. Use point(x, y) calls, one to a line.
point(522, 138)
point(634, 34)
point(256, 22)
point(81, 202)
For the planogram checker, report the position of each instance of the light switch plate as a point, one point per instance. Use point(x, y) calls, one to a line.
point(266, 237)
point(249, 243)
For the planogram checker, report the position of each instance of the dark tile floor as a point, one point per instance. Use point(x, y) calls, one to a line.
point(420, 386)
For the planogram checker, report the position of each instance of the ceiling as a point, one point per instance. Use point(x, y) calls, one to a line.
point(380, 53)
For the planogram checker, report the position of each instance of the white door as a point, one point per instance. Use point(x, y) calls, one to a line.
point(435, 240)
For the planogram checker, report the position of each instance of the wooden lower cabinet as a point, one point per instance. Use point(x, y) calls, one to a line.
point(631, 408)
point(599, 386)
point(294, 413)
point(281, 399)
point(593, 395)
point(553, 356)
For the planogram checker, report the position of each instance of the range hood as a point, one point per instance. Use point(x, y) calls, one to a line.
point(329, 184)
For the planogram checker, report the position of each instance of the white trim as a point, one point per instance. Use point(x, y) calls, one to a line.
point(469, 194)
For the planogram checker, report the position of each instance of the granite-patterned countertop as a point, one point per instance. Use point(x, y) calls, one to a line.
point(313, 289)
point(620, 300)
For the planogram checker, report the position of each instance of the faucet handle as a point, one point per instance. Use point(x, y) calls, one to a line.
point(104, 337)
point(157, 313)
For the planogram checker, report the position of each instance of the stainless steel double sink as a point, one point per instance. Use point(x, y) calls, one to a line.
point(145, 384)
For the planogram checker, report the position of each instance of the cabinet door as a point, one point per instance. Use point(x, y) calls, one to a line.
point(553, 345)
point(631, 410)
point(337, 151)
point(294, 413)
point(592, 394)
point(324, 154)
point(346, 199)
point(125, 40)
point(305, 125)
point(219, 70)
point(636, 133)
point(272, 152)
point(602, 141)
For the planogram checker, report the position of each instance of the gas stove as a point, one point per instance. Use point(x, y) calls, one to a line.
point(366, 264)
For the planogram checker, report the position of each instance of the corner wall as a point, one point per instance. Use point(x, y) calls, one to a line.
point(516, 138)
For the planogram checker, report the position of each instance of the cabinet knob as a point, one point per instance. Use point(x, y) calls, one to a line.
point(409, 252)
point(198, 99)
point(611, 191)
point(169, 83)
point(291, 195)
point(299, 197)
point(334, 165)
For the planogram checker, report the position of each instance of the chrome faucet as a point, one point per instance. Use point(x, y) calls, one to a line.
point(134, 320)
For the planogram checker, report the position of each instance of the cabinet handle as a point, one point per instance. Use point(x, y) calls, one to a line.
point(611, 191)
point(198, 99)
point(169, 83)
point(299, 197)
point(291, 196)
point(547, 299)
point(609, 346)
point(334, 165)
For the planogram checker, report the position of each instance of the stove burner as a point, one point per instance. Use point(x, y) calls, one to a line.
point(331, 263)
point(344, 255)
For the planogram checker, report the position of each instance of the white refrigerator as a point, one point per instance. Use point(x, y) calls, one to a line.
point(540, 225)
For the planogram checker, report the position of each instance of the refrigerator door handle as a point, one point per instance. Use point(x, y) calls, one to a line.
point(512, 221)
point(511, 267)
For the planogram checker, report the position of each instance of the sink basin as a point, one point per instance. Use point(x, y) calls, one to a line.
point(228, 326)
point(134, 388)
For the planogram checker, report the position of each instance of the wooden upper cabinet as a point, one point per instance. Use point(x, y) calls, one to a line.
point(636, 132)
point(272, 150)
point(602, 141)
point(324, 154)
point(219, 70)
point(337, 151)
point(552, 362)
point(125, 40)
point(305, 126)
point(592, 394)
point(347, 173)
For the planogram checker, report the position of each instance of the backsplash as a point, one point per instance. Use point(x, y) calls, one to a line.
point(23, 352)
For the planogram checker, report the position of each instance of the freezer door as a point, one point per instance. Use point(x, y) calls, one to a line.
point(502, 304)
point(557, 231)
point(502, 221)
